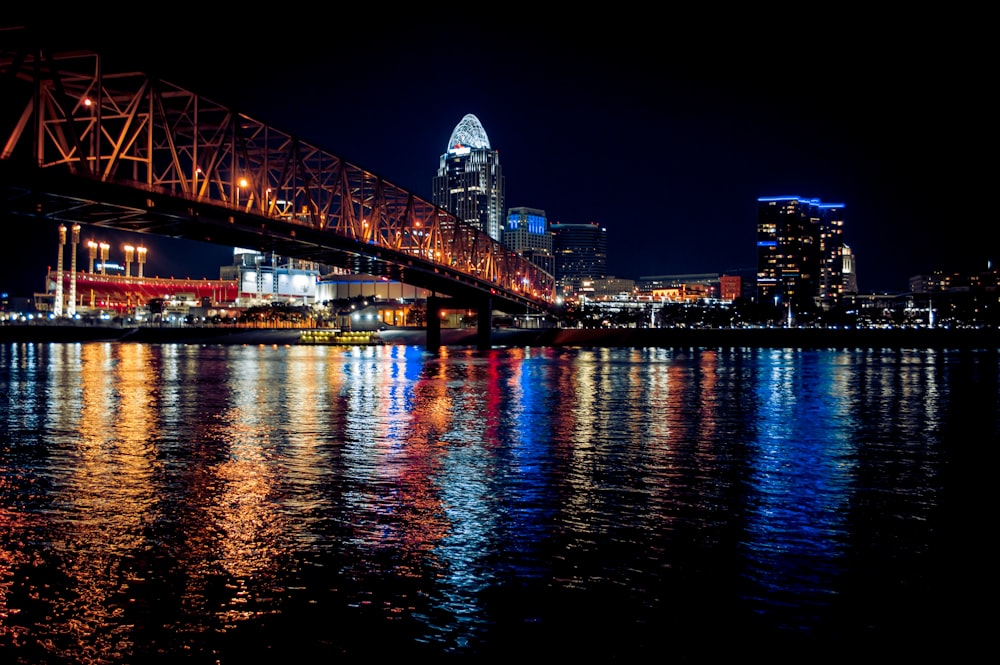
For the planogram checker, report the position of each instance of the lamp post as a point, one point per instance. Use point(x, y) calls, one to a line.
point(141, 254)
point(129, 252)
point(92, 247)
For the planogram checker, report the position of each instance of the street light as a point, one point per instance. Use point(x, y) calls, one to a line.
point(92, 247)
point(239, 186)
point(129, 252)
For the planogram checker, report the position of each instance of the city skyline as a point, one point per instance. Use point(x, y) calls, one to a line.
point(619, 126)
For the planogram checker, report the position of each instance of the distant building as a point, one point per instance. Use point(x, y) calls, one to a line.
point(940, 281)
point(610, 288)
point(685, 286)
point(680, 288)
point(850, 270)
point(738, 282)
point(581, 255)
point(799, 252)
point(935, 282)
point(271, 278)
point(9, 303)
point(527, 233)
point(730, 287)
point(469, 182)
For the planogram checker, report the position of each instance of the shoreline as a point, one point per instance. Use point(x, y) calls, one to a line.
point(980, 338)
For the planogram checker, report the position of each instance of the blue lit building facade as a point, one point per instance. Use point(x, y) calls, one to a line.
point(469, 182)
point(527, 233)
point(799, 253)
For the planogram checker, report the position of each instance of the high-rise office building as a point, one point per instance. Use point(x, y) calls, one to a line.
point(799, 252)
point(527, 233)
point(581, 252)
point(469, 183)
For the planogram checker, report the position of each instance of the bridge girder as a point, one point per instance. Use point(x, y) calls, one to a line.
point(130, 152)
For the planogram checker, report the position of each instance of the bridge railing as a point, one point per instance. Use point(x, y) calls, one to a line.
point(63, 111)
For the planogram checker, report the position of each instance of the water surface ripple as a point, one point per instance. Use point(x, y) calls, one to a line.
point(214, 504)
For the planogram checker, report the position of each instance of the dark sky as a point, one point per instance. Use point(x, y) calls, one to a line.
point(665, 128)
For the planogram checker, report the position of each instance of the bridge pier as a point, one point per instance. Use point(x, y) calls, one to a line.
point(433, 323)
point(484, 320)
point(484, 323)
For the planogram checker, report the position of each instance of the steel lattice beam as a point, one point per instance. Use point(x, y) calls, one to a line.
point(128, 151)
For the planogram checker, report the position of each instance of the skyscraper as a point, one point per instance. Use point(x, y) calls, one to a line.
point(469, 183)
point(850, 270)
point(527, 233)
point(799, 252)
point(581, 252)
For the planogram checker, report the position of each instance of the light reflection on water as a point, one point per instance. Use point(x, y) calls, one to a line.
point(218, 502)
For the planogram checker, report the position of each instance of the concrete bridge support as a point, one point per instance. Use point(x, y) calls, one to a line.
point(484, 320)
point(433, 324)
point(484, 323)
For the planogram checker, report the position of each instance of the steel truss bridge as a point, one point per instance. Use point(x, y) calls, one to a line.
point(127, 151)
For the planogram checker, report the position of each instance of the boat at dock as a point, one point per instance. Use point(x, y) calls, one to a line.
point(341, 337)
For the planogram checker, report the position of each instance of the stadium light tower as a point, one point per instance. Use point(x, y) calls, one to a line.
point(92, 247)
point(57, 305)
point(129, 253)
point(75, 240)
point(105, 251)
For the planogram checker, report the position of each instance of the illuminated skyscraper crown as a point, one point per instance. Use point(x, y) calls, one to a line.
point(469, 133)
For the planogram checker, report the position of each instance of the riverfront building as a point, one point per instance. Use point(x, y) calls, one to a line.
point(469, 182)
point(680, 288)
point(581, 255)
point(266, 278)
point(799, 253)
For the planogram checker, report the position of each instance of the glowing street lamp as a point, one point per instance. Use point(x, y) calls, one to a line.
point(129, 253)
point(92, 247)
point(239, 187)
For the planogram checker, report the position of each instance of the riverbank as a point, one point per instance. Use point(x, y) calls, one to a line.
point(546, 337)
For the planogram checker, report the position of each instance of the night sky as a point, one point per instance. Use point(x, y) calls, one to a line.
point(664, 128)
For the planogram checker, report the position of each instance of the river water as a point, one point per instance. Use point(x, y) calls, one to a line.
point(231, 504)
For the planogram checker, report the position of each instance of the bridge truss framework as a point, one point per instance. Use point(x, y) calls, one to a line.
point(131, 152)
